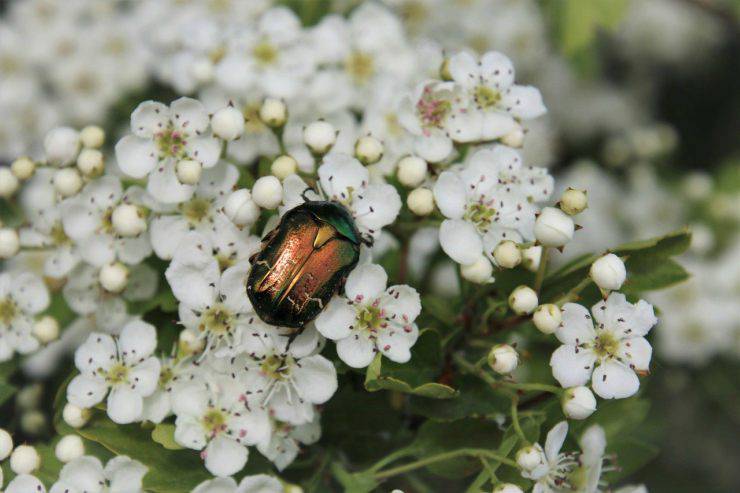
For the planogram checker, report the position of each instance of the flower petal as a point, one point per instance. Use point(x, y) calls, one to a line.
point(84, 391)
point(225, 457)
point(613, 380)
point(189, 115)
point(149, 118)
point(366, 283)
point(137, 341)
point(315, 379)
point(356, 350)
point(335, 320)
point(449, 194)
point(572, 366)
point(136, 157)
point(124, 405)
point(460, 241)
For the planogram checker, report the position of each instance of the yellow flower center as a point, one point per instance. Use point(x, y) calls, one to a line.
point(117, 374)
point(214, 421)
point(171, 143)
point(196, 210)
point(480, 215)
point(359, 66)
point(216, 319)
point(486, 97)
point(606, 345)
point(265, 53)
point(369, 318)
point(277, 367)
point(8, 311)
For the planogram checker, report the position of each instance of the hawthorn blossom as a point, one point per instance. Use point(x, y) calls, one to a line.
point(163, 136)
point(490, 198)
point(23, 296)
point(121, 474)
point(609, 348)
point(286, 441)
point(344, 180)
point(258, 483)
point(124, 365)
point(213, 415)
point(370, 318)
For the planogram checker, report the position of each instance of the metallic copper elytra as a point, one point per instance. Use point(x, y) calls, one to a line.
point(302, 263)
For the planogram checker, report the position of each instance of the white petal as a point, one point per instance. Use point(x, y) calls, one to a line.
point(136, 157)
point(190, 399)
point(571, 366)
point(79, 219)
point(86, 391)
point(217, 181)
point(206, 150)
point(460, 241)
point(356, 350)
point(341, 174)
point(466, 126)
point(233, 288)
point(157, 407)
point(496, 124)
point(577, 326)
point(315, 379)
point(260, 483)
point(98, 250)
point(225, 457)
point(524, 102)
point(434, 147)
point(401, 303)
point(396, 343)
point(124, 405)
point(216, 485)
point(85, 473)
point(144, 377)
point(165, 186)
point(137, 341)
point(496, 70)
point(104, 192)
point(636, 351)
point(148, 118)
point(193, 279)
point(464, 69)
point(25, 483)
point(189, 432)
point(450, 195)
point(612, 380)
point(189, 115)
point(30, 292)
point(98, 351)
point(125, 475)
point(554, 441)
point(378, 206)
point(366, 283)
point(335, 320)
point(166, 233)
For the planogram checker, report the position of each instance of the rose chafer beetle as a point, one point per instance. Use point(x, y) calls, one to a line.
point(303, 262)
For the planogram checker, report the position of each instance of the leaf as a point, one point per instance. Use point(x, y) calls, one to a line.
point(170, 471)
point(164, 434)
point(645, 274)
point(580, 19)
point(632, 454)
point(6, 392)
point(362, 482)
point(474, 399)
point(441, 309)
point(412, 377)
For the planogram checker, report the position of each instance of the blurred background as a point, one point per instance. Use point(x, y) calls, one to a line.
point(644, 113)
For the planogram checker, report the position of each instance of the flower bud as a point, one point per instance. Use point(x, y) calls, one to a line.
point(698, 185)
point(578, 403)
point(573, 201)
point(46, 329)
point(553, 227)
point(530, 457)
point(523, 300)
point(92, 137)
point(24, 459)
point(33, 422)
point(228, 123)
point(507, 254)
point(284, 166)
point(368, 149)
point(412, 171)
point(420, 201)
point(503, 359)
point(274, 113)
point(319, 136)
point(90, 162)
point(547, 318)
point(479, 272)
point(128, 220)
point(8, 183)
point(114, 277)
point(29, 397)
point(202, 70)
point(69, 448)
point(23, 168)
point(531, 258)
point(6, 444)
point(241, 209)
point(75, 416)
point(507, 488)
point(267, 192)
point(188, 171)
point(9, 243)
point(515, 138)
point(608, 272)
point(67, 181)
point(61, 145)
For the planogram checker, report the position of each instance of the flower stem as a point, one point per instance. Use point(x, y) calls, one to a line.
point(572, 295)
point(534, 387)
point(471, 452)
point(540, 276)
point(515, 419)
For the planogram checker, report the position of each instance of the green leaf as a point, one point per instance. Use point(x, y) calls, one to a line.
point(475, 399)
point(412, 377)
point(164, 434)
point(441, 309)
point(632, 454)
point(581, 19)
point(6, 392)
point(170, 471)
point(362, 482)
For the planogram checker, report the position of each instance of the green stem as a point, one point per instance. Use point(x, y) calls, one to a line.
point(540, 276)
point(572, 295)
point(392, 457)
point(411, 466)
point(515, 419)
point(534, 387)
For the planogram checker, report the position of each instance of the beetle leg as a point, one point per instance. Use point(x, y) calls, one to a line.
point(303, 194)
point(292, 337)
point(368, 241)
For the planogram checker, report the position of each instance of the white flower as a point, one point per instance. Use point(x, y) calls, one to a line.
point(124, 365)
point(370, 318)
point(287, 381)
point(608, 353)
point(344, 180)
point(608, 272)
point(172, 374)
point(25, 483)
point(24, 459)
point(88, 220)
point(578, 402)
point(553, 227)
point(22, 297)
point(216, 417)
point(163, 136)
point(61, 145)
point(502, 358)
point(489, 199)
point(87, 474)
point(202, 213)
point(213, 304)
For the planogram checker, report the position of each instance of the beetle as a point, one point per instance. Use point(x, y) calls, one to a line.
point(303, 262)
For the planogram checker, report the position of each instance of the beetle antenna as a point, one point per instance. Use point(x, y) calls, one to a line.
point(304, 196)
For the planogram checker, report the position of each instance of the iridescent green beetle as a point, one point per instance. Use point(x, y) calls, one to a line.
point(302, 263)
